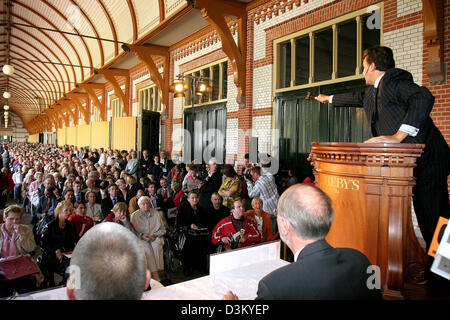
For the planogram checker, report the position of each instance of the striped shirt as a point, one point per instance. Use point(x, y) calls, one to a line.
point(266, 189)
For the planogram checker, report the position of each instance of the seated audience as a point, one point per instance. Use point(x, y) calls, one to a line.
point(133, 206)
point(133, 186)
point(179, 194)
point(216, 212)
point(111, 199)
point(155, 168)
point(263, 186)
point(230, 190)
point(260, 218)
point(119, 215)
point(6, 186)
point(77, 194)
point(150, 227)
point(46, 205)
point(123, 190)
point(166, 193)
point(176, 174)
point(93, 208)
point(235, 231)
point(90, 184)
point(190, 181)
point(156, 199)
point(69, 195)
point(81, 221)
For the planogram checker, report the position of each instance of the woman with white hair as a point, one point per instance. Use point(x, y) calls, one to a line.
point(151, 228)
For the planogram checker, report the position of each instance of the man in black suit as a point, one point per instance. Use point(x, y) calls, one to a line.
point(166, 194)
point(77, 193)
point(210, 185)
point(398, 110)
point(47, 204)
point(144, 163)
point(166, 164)
point(320, 272)
point(111, 199)
point(156, 200)
point(155, 169)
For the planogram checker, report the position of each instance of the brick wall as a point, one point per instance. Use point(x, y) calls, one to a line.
point(441, 109)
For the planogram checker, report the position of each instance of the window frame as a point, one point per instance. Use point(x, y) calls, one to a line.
point(117, 108)
point(333, 23)
point(222, 96)
point(156, 103)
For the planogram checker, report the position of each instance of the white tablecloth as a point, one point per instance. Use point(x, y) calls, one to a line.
point(242, 281)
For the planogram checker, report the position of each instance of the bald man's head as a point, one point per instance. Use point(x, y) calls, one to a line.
point(308, 209)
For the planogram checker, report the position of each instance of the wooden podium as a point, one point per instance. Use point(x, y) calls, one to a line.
point(371, 189)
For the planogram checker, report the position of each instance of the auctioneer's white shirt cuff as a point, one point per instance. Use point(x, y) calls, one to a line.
point(330, 100)
point(410, 130)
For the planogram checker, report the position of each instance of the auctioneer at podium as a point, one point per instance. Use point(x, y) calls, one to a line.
point(398, 110)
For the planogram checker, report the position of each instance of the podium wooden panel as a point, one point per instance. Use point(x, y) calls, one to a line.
point(371, 189)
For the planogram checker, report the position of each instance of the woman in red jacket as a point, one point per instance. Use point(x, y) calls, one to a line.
point(260, 218)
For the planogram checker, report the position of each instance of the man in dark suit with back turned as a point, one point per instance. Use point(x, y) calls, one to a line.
point(320, 272)
point(398, 111)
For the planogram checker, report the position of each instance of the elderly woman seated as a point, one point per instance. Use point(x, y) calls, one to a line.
point(151, 228)
point(260, 218)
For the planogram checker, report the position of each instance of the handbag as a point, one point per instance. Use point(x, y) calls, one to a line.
point(18, 267)
point(198, 232)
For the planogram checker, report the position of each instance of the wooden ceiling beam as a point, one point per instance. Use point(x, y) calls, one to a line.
point(144, 54)
point(124, 95)
point(67, 106)
point(76, 99)
point(216, 13)
point(90, 90)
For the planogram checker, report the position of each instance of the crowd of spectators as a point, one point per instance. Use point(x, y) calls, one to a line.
point(205, 208)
